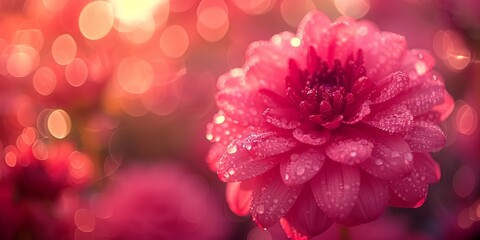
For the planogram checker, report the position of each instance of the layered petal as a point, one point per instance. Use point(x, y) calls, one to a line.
point(394, 119)
point(372, 201)
point(390, 86)
point(305, 219)
point(302, 166)
point(311, 136)
point(336, 189)
point(239, 196)
point(349, 148)
point(391, 158)
point(383, 53)
point(272, 198)
point(425, 137)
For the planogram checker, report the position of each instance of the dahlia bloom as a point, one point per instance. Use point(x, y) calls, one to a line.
point(159, 202)
point(331, 124)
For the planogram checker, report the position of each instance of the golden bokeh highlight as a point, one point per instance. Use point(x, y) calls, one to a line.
point(96, 20)
point(59, 123)
point(76, 72)
point(134, 75)
point(84, 220)
point(452, 49)
point(353, 8)
point(22, 60)
point(294, 10)
point(64, 49)
point(466, 119)
point(254, 7)
point(212, 22)
point(44, 81)
point(174, 41)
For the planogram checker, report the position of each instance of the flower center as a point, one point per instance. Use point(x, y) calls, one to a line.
point(328, 95)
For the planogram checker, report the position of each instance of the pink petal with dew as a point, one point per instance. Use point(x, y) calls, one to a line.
point(224, 130)
point(392, 118)
point(272, 199)
point(349, 148)
point(391, 158)
point(305, 219)
point(390, 86)
point(371, 203)
point(383, 54)
point(313, 29)
point(301, 166)
point(423, 97)
point(341, 42)
point(241, 105)
point(426, 164)
point(237, 164)
point(267, 61)
point(267, 144)
point(284, 118)
point(336, 189)
point(239, 196)
point(308, 135)
point(410, 191)
point(417, 63)
point(425, 137)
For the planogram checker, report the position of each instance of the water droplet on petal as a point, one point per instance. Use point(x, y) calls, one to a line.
point(378, 162)
point(231, 149)
point(300, 170)
point(260, 209)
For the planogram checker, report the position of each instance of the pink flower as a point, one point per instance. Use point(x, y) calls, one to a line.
point(159, 202)
point(331, 124)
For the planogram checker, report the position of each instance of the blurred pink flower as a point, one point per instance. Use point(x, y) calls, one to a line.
point(331, 124)
point(160, 202)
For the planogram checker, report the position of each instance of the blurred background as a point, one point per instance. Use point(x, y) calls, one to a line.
point(103, 108)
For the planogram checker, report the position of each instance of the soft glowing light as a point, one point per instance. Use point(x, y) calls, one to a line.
point(219, 119)
point(40, 150)
point(181, 5)
point(80, 167)
point(464, 181)
point(212, 23)
point(352, 8)
point(174, 41)
point(466, 119)
point(10, 156)
point(293, 10)
point(31, 37)
point(29, 135)
point(135, 12)
point(142, 33)
point(295, 42)
point(54, 5)
point(44, 81)
point(22, 60)
point(96, 20)
point(84, 220)
point(59, 124)
point(76, 72)
point(254, 7)
point(464, 220)
point(451, 47)
point(134, 75)
point(64, 49)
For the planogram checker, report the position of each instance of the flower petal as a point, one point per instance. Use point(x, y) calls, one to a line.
point(312, 29)
point(267, 144)
point(446, 107)
point(416, 63)
point(391, 158)
point(272, 199)
point(349, 149)
point(302, 166)
point(284, 118)
point(394, 119)
point(410, 191)
point(217, 129)
point(426, 164)
point(371, 203)
point(237, 164)
point(214, 155)
point(267, 61)
point(310, 136)
point(239, 196)
point(383, 53)
point(425, 137)
point(305, 219)
point(423, 97)
point(336, 189)
point(241, 105)
point(390, 86)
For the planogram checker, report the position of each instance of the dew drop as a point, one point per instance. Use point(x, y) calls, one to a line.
point(395, 154)
point(231, 171)
point(347, 187)
point(248, 147)
point(408, 156)
point(378, 162)
point(287, 176)
point(300, 170)
point(232, 149)
point(260, 209)
point(353, 154)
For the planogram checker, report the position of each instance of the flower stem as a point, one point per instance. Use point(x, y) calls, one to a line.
point(344, 233)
